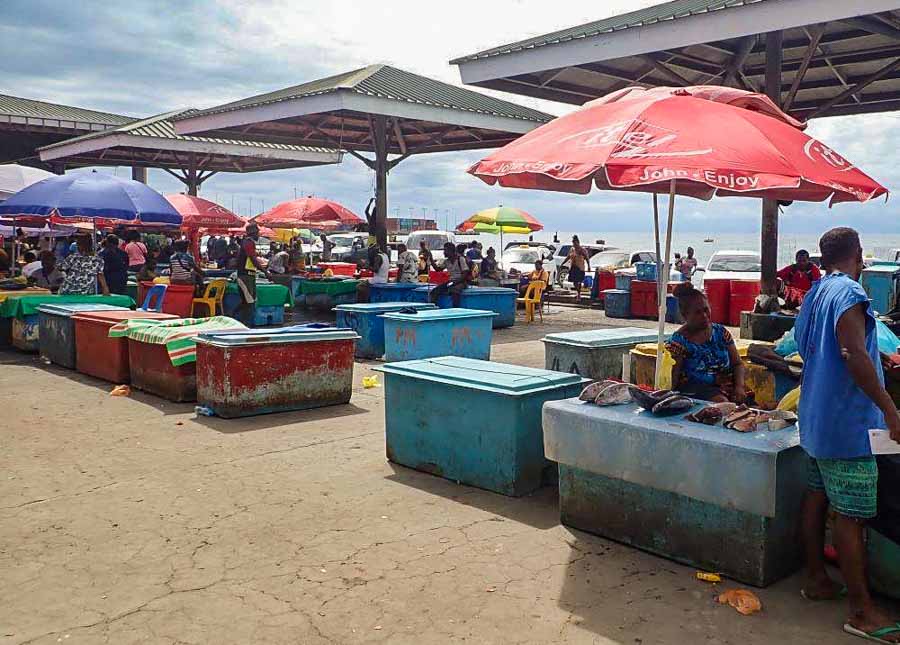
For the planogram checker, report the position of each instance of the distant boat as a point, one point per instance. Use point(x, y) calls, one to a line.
point(709, 240)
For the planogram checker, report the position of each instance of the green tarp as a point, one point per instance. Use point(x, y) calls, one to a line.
point(28, 305)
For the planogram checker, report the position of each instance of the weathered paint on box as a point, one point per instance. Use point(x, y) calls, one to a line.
point(693, 493)
point(259, 374)
point(26, 333)
point(504, 454)
point(438, 332)
point(595, 354)
point(497, 299)
point(57, 330)
point(365, 319)
point(152, 371)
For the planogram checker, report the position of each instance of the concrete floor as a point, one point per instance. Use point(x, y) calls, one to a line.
point(130, 520)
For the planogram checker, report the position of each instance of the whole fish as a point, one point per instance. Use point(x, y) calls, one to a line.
point(673, 404)
point(613, 394)
point(591, 391)
point(647, 399)
point(713, 414)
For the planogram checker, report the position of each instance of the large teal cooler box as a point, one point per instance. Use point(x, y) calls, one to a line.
point(365, 319)
point(497, 299)
point(423, 294)
point(393, 291)
point(595, 354)
point(705, 496)
point(882, 284)
point(502, 451)
point(56, 330)
point(438, 332)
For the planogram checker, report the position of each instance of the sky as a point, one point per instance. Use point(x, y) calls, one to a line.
point(146, 57)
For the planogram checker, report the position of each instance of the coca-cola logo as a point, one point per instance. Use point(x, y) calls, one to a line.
point(818, 152)
point(632, 139)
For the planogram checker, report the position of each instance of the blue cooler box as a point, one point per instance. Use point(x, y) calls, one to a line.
point(497, 299)
point(646, 271)
point(624, 279)
point(365, 319)
point(438, 332)
point(617, 303)
point(393, 291)
point(504, 454)
point(421, 294)
point(269, 315)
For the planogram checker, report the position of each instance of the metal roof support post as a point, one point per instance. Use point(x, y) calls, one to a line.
point(139, 174)
point(769, 231)
point(381, 170)
point(192, 183)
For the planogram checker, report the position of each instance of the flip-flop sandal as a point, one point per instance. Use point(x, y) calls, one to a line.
point(875, 635)
point(841, 593)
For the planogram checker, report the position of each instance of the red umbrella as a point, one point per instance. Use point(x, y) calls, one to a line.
point(309, 212)
point(197, 213)
point(696, 141)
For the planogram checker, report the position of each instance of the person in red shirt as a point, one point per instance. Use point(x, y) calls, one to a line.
point(797, 279)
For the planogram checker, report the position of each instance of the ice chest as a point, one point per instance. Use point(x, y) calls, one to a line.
point(882, 283)
point(438, 332)
point(709, 497)
point(25, 332)
point(252, 372)
point(268, 315)
point(152, 371)
point(365, 319)
point(497, 299)
point(392, 291)
point(595, 354)
point(423, 294)
point(56, 336)
point(503, 452)
point(617, 303)
point(98, 355)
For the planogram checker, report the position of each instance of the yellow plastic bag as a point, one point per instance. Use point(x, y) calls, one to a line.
point(790, 401)
point(370, 382)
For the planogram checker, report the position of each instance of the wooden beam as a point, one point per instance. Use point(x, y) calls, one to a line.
point(856, 89)
point(737, 63)
point(814, 39)
point(873, 26)
point(398, 134)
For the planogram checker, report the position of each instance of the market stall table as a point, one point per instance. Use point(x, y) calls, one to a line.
point(367, 321)
point(504, 452)
point(6, 322)
point(438, 332)
point(22, 313)
point(98, 355)
point(254, 372)
point(56, 330)
point(709, 497)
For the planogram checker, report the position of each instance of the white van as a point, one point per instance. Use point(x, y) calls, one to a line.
point(435, 241)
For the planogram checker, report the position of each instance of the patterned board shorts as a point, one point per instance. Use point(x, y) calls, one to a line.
point(850, 484)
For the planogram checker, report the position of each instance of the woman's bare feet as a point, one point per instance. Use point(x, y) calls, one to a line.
point(871, 619)
point(822, 588)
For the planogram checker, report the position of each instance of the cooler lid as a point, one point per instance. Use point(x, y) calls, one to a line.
point(503, 291)
point(112, 317)
point(78, 307)
point(294, 334)
point(482, 375)
point(384, 307)
point(597, 338)
point(882, 268)
point(427, 315)
point(398, 285)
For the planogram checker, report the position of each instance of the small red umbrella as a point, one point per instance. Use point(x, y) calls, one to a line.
point(309, 212)
point(695, 141)
point(197, 213)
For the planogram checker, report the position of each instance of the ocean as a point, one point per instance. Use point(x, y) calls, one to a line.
point(788, 243)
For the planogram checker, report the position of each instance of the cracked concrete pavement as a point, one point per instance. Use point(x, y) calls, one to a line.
point(130, 520)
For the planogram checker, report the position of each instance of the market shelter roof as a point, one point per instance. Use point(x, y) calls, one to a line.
point(425, 115)
point(839, 57)
point(153, 143)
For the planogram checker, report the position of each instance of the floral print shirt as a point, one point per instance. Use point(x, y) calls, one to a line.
point(80, 274)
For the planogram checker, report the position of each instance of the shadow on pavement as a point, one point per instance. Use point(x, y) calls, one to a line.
point(539, 510)
point(278, 419)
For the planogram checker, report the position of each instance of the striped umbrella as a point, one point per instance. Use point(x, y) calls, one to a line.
point(502, 219)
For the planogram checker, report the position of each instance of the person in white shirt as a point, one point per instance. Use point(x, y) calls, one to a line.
point(380, 264)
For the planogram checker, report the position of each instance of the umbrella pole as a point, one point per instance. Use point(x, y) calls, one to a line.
point(15, 249)
point(663, 280)
point(94, 247)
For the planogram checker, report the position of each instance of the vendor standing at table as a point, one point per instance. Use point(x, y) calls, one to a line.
point(426, 258)
point(248, 264)
point(48, 276)
point(82, 270)
point(183, 267)
point(136, 250)
point(843, 398)
point(115, 265)
point(707, 363)
point(281, 262)
point(797, 279)
point(407, 265)
point(380, 264)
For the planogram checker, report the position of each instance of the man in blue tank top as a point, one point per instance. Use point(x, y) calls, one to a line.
point(843, 396)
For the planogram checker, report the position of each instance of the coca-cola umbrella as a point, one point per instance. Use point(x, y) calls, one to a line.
point(197, 213)
point(309, 212)
point(696, 141)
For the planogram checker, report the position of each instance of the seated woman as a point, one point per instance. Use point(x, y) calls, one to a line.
point(707, 364)
point(538, 275)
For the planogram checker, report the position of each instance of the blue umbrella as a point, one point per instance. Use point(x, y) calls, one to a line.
point(92, 196)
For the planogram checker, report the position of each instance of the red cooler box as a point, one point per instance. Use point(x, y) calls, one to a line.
point(99, 355)
point(644, 299)
point(339, 268)
point(152, 371)
point(178, 299)
point(742, 297)
point(718, 293)
point(254, 372)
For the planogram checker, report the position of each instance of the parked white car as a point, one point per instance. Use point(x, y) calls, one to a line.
point(517, 260)
point(435, 241)
point(731, 265)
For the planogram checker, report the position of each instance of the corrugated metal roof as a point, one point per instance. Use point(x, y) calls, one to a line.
point(160, 126)
point(657, 13)
point(30, 108)
point(395, 84)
